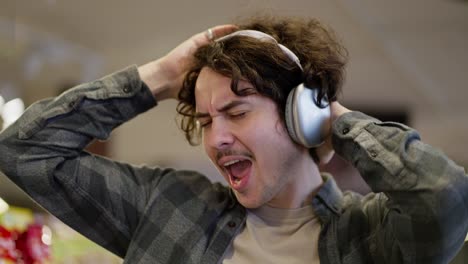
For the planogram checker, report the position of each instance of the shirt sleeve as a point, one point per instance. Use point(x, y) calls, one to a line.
point(419, 208)
point(43, 154)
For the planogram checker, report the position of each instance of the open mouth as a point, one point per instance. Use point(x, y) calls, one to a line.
point(239, 172)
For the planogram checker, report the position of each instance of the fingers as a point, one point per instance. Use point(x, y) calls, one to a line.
point(209, 34)
point(325, 152)
point(220, 31)
point(214, 33)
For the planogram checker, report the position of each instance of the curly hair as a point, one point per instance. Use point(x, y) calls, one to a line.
point(266, 67)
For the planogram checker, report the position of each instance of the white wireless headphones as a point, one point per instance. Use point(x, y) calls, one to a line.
point(306, 121)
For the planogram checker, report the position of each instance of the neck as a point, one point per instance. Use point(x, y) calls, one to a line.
point(302, 186)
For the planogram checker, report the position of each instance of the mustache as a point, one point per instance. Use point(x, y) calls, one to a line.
point(232, 152)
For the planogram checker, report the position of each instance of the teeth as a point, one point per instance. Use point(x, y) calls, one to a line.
point(230, 162)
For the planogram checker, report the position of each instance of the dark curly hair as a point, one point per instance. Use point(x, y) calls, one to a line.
point(265, 65)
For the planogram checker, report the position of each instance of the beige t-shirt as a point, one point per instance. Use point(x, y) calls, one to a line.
point(273, 235)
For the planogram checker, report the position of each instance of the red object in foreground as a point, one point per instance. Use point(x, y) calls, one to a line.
point(7, 245)
point(31, 247)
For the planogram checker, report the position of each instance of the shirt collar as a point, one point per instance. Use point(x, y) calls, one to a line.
point(328, 200)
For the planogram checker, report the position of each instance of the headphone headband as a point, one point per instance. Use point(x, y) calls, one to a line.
point(263, 37)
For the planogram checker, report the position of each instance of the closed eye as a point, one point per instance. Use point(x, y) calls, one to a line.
point(204, 122)
point(237, 114)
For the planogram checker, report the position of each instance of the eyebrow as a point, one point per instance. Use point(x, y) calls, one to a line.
point(224, 108)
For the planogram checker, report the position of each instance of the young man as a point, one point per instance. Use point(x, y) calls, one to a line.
point(278, 208)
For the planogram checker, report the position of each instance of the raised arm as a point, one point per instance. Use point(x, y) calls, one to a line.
point(420, 211)
point(43, 151)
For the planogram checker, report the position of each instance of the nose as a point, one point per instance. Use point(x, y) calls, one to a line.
point(218, 136)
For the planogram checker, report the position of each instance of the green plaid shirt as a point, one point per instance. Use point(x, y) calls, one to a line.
point(418, 212)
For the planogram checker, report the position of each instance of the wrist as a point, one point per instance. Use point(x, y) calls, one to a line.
point(158, 80)
point(338, 110)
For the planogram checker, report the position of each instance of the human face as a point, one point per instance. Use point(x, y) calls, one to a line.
point(246, 140)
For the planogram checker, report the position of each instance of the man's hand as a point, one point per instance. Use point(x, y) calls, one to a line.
point(165, 76)
point(325, 151)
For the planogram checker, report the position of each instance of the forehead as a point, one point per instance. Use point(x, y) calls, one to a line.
point(208, 79)
point(213, 88)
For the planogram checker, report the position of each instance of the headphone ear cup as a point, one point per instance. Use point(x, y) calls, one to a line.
point(289, 116)
point(305, 120)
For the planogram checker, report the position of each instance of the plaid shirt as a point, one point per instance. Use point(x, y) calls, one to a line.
point(418, 212)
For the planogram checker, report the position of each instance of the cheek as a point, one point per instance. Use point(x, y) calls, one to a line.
point(264, 132)
point(267, 142)
point(276, 133)
point(274, 146)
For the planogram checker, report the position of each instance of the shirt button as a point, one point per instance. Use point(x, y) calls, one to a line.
point(373, 153)
point(126, 90)
point(345, 131)
point(232, 224)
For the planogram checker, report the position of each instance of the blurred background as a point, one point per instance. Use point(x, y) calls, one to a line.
point(408, 63)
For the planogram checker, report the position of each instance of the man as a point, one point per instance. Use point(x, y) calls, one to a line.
point(278, 208)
